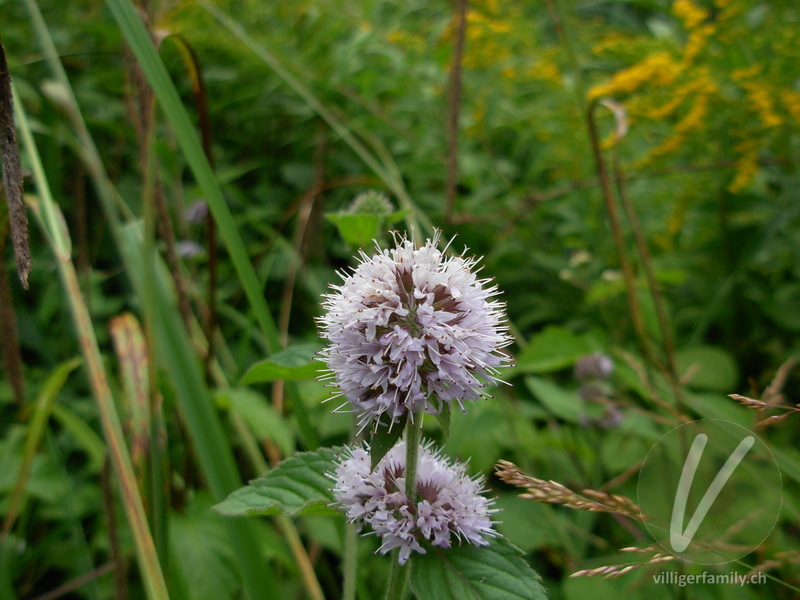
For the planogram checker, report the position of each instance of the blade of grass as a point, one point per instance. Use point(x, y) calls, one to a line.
point(51, 221)
point(203, 422)
point(41, 416)
point(174, 350)
point(113, 204)
point(195, 73)
point(139, 40)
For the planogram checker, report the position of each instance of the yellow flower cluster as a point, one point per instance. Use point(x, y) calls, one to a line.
point(675, 222)
point(546, 70)
point(657, 70)
point(692, 122)
point(746, 165)
point(791, 102)
point(487, 43)
point(698, 40)
point(688, 12)
point(611, 43)
point(759, 95)
point(695, 19)
point(701, 84)
point(409, 40)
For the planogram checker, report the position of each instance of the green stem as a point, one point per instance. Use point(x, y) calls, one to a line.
point(350, 562)
point(413, 431)
point(398, 577)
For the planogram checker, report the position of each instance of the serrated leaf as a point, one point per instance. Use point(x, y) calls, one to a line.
point(296, 363)
point(384, 440)
point(297, 486)
point(494, 572)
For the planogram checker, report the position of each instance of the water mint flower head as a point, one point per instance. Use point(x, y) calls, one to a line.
point(448, 506)
point(412, 329)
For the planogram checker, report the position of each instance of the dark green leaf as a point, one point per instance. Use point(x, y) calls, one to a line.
point(203, 552)
point(494, 572)
point(444, 419)
point(562, 403)
point(383, 440)
point(553, 349)
point(299, 485)
point(296, 363)
point(708, 368)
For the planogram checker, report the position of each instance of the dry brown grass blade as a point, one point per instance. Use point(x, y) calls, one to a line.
point(12, 175)
point(9, 340)
point(779, 560)
point(614, 571)
point(761, 405)
point(553, 492)
point(131, 351)
point(772, 393)
point(773, 397)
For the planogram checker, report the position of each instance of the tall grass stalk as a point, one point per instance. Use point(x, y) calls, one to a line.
point(175, 349)
point(52, 222)
point(142, 46)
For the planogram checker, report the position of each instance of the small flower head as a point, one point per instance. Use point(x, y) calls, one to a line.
point(448, 504)
point(594, 366)
point(412, 329)
point(372, 203)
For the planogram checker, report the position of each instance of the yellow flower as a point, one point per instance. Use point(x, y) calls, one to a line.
point(791, 102)
point(656, 69)
point(688, 12)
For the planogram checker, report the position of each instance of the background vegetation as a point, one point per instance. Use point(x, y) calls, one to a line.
point(670, 244)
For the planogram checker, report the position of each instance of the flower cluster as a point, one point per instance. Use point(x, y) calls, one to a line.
point(411, 329)
point(448, 504)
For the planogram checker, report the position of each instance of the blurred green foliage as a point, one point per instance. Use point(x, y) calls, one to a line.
point(704, 132)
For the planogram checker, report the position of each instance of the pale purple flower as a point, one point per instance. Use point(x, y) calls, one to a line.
point(412, 329)
point(594, 366)
point(448, 505)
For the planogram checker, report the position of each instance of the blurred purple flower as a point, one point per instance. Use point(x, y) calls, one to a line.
point(412, 329)
point(188, 248)
point(594, 366)
point(448, 504)
point(196, 212)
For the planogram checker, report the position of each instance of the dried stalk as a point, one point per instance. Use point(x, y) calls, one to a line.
point(553, 492)
point(12, 175)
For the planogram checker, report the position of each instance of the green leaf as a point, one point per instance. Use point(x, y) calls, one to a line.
point(259, 414)
point(357, 229)
point(396, 216)
point(297, 486)
point(296, 363)
point(562, 403)
point(708, 368)
point(384, 440)
point(494, 572)
point(553, 349)
point(444, 419)
point(202, 551)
